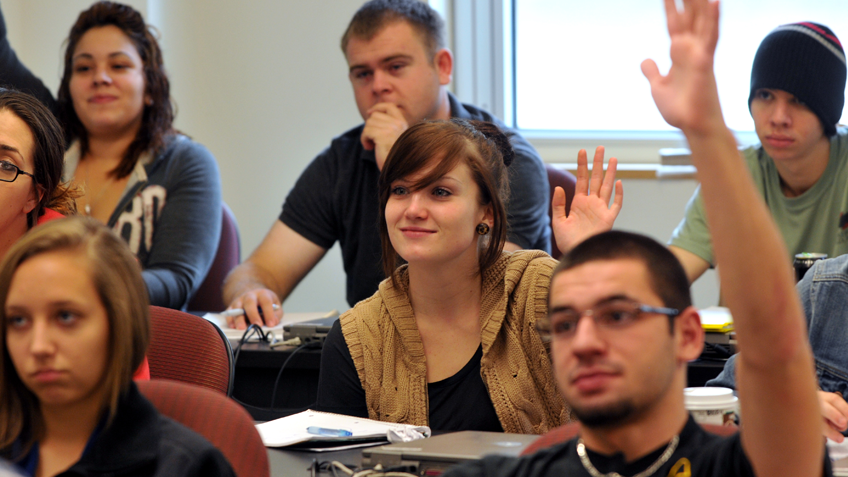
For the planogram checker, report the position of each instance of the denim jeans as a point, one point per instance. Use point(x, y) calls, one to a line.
point(824, 296)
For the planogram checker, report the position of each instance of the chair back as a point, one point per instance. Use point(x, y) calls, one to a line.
point(569, 431)
point(566, 180)
point(220, 420)
point(187, 348)
point(209, 297)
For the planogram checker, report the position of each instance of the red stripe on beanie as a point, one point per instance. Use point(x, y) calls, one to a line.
point(814, 27)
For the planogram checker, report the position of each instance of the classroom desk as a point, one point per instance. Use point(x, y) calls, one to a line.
point(258, 365)
point(256, 370)
point(288, 463)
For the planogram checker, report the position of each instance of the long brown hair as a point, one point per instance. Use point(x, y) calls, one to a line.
point(116, 275)
point(47, 153)
point(443, 144)
point(157, 118)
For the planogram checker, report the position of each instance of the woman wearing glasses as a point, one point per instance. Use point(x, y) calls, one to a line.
point(159, 190)
point(449, 339)
point(30, 167)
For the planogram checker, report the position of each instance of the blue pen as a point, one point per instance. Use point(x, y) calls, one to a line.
point(323, 431)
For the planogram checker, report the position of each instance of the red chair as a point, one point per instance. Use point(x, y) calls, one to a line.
point(208, 297)
point(187, 348)
point(220, 420)
point(566, 180)
point(569, 431)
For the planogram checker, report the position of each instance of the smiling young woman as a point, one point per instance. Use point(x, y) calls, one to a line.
point(73, 326)
point(156, 188)
point(449, 339)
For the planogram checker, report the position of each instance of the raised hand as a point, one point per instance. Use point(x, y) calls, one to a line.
point(590, 212)
point(384, 124)
point(687, 96)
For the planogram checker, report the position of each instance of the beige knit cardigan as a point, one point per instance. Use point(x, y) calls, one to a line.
point(387, 351)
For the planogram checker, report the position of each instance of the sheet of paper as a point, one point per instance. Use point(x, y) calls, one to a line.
point(235, 335)
point(292, 429)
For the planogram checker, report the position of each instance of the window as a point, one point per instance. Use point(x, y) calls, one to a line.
point(575, 71)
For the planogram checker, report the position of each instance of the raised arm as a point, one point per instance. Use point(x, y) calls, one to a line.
point(776, 383)
point(591, 212)
point(269, 275)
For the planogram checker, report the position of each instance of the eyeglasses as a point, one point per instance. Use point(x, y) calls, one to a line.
point(608, 316)
point(9, 172)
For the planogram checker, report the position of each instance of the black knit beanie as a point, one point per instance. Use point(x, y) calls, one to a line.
point(806, 60)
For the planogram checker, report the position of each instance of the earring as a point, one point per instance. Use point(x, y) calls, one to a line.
point(482, 229)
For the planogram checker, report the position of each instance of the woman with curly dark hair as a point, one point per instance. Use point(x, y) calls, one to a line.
point(155, 187)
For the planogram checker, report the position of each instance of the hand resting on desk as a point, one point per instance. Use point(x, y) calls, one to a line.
point(251, 302)
point(835, 412)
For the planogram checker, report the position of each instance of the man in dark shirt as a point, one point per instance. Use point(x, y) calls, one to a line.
point(399, 70)
point(622, 326)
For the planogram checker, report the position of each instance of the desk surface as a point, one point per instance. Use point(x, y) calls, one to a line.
point(298, 464)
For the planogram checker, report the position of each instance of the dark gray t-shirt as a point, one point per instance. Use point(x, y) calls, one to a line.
point(336, 198)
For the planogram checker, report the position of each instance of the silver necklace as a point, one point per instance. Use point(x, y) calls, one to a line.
point(95, 200)
point(587, 464)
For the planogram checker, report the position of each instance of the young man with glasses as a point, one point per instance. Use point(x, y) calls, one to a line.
point(623, 329)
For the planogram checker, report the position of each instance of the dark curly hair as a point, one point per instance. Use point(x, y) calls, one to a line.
point(157, 118)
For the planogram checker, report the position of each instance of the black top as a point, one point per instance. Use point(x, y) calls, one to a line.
point(15, 74)
point(336, 198)
point(700, 453)
point(140, 442)
point(458, 403)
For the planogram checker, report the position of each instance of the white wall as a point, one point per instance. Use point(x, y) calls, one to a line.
point(263, 84)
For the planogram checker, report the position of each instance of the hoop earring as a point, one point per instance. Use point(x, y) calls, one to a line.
point(482, 229)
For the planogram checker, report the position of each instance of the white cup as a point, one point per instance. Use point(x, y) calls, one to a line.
point(711, 405)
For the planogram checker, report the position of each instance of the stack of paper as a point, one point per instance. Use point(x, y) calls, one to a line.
point(292, 430)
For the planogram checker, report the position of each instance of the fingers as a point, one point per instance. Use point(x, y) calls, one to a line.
point(389, 109)
point(651, 70)
point(269, 315)
point(558, 203)
point(582, 185)
point(832, 433)
point(383, 125)
point(618, 200)
point(834, 410)
point(252, 302)
point(609, 180)
point(671, 17)
point(597, 171)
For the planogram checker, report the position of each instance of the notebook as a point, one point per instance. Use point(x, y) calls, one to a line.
point(294, 429)
point(434, 455)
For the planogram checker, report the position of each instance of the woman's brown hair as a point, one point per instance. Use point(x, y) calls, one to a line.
point(47, 153)
point(442, 145)
point(116, 276)
point(158, 116)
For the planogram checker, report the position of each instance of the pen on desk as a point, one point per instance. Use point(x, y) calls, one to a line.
point(240, 311)
point(323, 431)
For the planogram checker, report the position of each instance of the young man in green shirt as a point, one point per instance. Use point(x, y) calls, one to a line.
point(801, 166)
